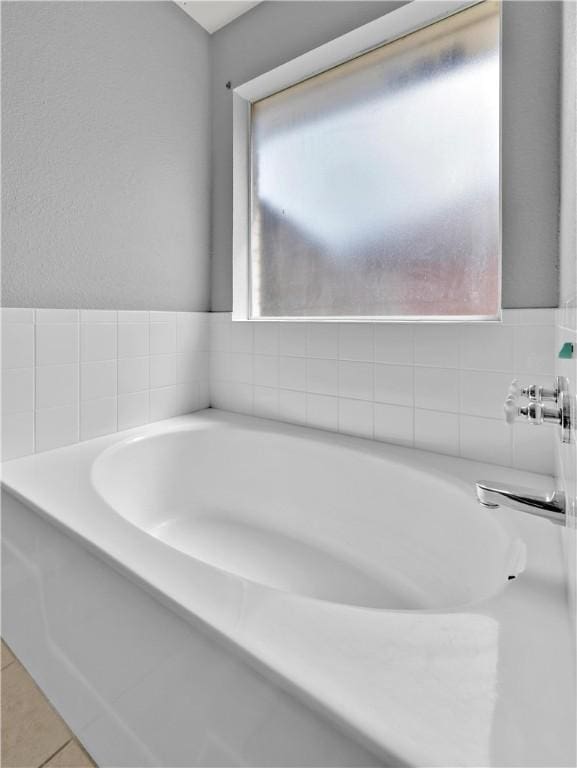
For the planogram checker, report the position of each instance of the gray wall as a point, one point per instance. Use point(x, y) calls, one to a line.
point(276, 32)
point(106, 117)
point(106, 161)
point(568, 223)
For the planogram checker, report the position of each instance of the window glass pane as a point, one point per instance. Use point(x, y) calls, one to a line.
point(375, 185)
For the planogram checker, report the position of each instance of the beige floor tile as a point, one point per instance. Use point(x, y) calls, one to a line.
point(31, 730)
point(7, 656)
point(72, 756)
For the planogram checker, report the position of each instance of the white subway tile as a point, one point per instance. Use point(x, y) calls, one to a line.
point(162, 338)
point(56, 316)
point(394, 343)
point(322, 340)
point(17, 315)
point(220, 394)
point(192, 331)
point(98, 380)
point(98, 417)
point(533, 448)
point(484, 393)
point(534, 349)
point(437, 345)
point(203, 393)
point(322, 377)
point(537, 316)
point(356, 341)
point(164, 403)
point(97, 342)
point(437, 389)
point(187, 397)
point(323, 412)
point(239, 398)
point(356, 417)
point(487, 347)
point(266, 370)
point(486, 440)
point(162, 371)
point(133, 316)
point(292, 406)
point(56, 386)
point(293, 339)
point(293, 373)
point(355, 380)
point(133, 375)
point(98, 316)
point(394, 384)
point(17, 345)
point(93, 372)
point(266, 402)
point(163, 317)
point(220, 366)
point(266, 338)
point(57, 344)
point(241, 368)
point(241, 337)
point(133, 339)
point(437, 432)
point(56, 427)
point(17, 390)
point(394, 424)
point(17, 435)
point(192, 365)
point(133, 409)
point(220, 334)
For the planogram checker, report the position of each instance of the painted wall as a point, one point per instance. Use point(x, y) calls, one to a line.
point(106, 172)
point(276, 32)
point(568, 222)
point(107, 181)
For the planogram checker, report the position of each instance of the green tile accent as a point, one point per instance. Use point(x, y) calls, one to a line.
point(566, 351)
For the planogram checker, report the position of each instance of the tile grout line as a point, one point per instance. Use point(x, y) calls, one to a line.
point(48, 759)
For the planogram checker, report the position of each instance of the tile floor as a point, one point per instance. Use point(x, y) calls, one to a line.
point(33, 733)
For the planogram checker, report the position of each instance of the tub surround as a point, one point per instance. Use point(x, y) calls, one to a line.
point(436, 387)
point(71, 375)
point(469, 679)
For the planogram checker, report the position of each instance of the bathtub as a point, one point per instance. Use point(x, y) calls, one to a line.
point(217, 589)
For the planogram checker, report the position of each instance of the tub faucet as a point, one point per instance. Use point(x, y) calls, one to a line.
point(549, 504)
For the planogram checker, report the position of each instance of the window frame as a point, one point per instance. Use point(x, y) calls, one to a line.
point(392, 26)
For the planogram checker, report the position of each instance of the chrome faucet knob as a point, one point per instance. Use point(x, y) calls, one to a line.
point(543, 394)
point(512, 410)
point(514, 390)
point(535, 413)
point(534, 392)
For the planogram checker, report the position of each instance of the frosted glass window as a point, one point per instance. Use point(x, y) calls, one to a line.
point(375, 184)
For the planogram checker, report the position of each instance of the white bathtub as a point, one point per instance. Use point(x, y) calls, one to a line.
point(358, 596)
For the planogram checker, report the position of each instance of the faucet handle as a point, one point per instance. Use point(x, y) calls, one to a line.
point(532, 412)
point(533, 392)
point(515, 390)
point(511, 410)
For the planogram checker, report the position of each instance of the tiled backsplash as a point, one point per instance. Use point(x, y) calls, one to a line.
point(70, 375)
point(566, 454)
point(436, 387)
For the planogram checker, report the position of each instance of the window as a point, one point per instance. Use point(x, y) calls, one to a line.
point(367, 186)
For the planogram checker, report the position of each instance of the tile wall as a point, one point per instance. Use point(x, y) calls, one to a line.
point(71, 375)
point(435, 387)
point(566, 455)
